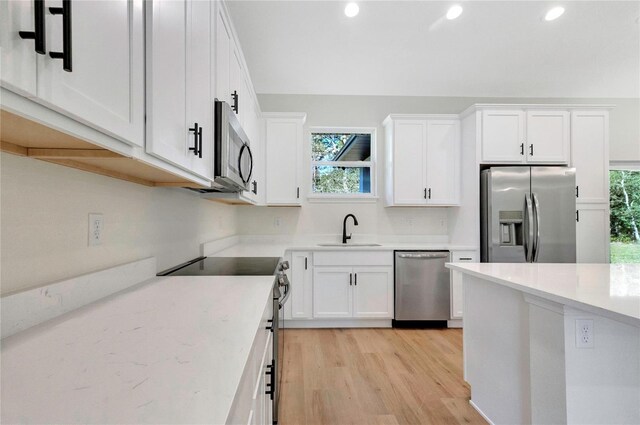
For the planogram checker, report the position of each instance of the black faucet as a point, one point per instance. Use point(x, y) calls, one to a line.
point(344, 227)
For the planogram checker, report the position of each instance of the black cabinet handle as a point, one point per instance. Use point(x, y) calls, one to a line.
point(297, 193)
point(577, 216)
point(355, 281)
point(425, 193)
point(577, 191)
point(200, 142)
point(522, 148)
point(197, 133)
point(234, 96)
point(531, 149)
point(66, 54)
point(270, 328)
point(38, 33)
point(429, 193)
point(350, 279)
point(255, 187)
point(305, 263)
point(269, 385)
point(466, 258)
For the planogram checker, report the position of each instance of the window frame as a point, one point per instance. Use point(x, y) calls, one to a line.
point(371, 164)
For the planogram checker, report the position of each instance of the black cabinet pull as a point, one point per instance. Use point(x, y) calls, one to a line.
point(577, 216)
point(531, 149)
point(522, 148)
point(66, 54)
point(425, 193)
point(269, 385)
point(255, 187)
point(355, 281)
point(297, 193)
point(197, 134)
point(465, 258)
point(305, 263)
point(577, 191)
point(38, 33)
point(350, 279)
point(200, 142)
point(429, 193)
point(270, 328)
point(234, 96)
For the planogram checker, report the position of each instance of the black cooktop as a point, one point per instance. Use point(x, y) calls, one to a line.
point(225, 266)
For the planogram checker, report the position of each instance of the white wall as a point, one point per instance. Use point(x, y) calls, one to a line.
point(44, 223)
point(370, 111)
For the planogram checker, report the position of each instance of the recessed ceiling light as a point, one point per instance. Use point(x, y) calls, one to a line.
point(554, 13)
point(351, 10)
point(454, 12)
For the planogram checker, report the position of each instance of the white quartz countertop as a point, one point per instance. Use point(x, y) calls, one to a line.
point(609, 289)
point(171, 350)
point(278, 248)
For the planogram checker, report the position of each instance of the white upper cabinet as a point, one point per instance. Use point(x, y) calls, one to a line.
point(223, 56)
point(547, 137)
point(178, 84)
point(590, 154)
point(18, 55)
point(443, 162)
point(283, 157)
point(422, 160)
point(97, 75)
point(532, 136)
point(503, 136)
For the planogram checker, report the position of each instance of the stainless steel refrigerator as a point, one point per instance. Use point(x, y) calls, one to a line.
point(528, 214)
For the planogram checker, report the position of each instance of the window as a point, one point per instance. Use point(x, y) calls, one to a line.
point(624, 201)
point(342, 163)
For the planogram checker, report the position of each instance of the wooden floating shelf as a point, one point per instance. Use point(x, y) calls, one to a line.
point(23, 137)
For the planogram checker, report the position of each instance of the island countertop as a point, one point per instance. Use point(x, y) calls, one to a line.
point(170, 350)
point(612, 290)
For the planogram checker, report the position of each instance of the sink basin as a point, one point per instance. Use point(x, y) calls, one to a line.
point(354, 245)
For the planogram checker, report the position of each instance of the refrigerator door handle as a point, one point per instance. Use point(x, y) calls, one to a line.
point(528, 228)
point(536, 228)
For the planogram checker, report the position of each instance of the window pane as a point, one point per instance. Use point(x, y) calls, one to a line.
point(625, 216)
point(340, 147)
point(341, 179)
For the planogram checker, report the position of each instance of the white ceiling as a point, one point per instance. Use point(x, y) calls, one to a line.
point(496, 48)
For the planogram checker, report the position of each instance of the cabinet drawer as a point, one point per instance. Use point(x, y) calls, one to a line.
point(359, 258)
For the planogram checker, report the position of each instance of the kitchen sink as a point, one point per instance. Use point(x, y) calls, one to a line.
point(342, 245)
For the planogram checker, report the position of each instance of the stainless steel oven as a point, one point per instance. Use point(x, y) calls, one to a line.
point(233, 160)
point(281, 293)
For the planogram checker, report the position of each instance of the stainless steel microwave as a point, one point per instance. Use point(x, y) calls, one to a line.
point(233, 160)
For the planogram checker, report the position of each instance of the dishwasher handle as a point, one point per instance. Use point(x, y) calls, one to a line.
point(424, 256)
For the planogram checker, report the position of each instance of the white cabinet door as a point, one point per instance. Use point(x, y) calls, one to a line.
point(409, 139)
point(199, 100)
point(301, 299)
point(283, 146)
point(18, 55)
point(547, 138)
point(443, 162)
point(592, 234)
point(456, 281)
point(590, 155)
point(236, 82)
point(223, 56)
point(503, 138)
point(373, 292)
point(167, 134)
point(332, 294)
point(105, 88)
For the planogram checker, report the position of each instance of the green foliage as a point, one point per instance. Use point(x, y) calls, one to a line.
point(325, 147)
point(625, 205)
point(625, 252)
point(336, 180)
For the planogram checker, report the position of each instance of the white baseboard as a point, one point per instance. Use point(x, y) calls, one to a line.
point(486, 418)
point(25, 309)
point(335, 323)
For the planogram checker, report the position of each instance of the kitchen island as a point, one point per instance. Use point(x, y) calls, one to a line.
point(552, 343)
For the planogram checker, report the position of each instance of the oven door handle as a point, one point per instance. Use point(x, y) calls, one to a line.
point(287, 293)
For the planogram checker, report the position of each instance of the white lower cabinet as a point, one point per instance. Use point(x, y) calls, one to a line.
point(592, 233)
point(301, 299)
point(456, 281)
point(353, 292)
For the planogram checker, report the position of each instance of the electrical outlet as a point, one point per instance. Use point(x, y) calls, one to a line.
point(96, 225)
point(410, 221)
point(276, 222)
point(584, 333)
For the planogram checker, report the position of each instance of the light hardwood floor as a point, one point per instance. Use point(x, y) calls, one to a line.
point(374, 376)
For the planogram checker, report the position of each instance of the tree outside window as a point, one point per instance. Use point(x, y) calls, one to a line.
point(625, 216)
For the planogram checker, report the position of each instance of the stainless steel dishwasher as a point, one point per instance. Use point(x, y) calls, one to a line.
point(422, 289)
